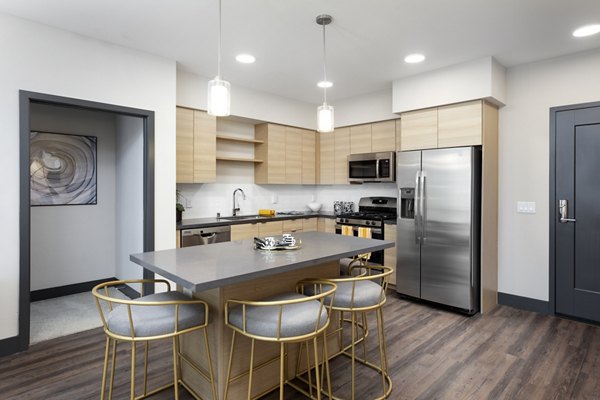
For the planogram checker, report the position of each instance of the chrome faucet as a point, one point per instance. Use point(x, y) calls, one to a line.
point(236, 209)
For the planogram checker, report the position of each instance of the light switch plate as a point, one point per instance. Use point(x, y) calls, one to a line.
point(526, 207)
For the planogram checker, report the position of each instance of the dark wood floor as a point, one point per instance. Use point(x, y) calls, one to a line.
point(433, 354)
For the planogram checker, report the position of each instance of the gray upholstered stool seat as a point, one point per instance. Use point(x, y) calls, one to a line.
point(345, 266)
point(155, 320)
point(366, 294)
point(296, 319)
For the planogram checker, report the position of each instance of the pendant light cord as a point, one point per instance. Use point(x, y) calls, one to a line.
point(219, 44)
point(324, 67)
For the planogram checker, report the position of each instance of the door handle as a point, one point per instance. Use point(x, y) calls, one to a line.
point(416, 202)
point(563, 211)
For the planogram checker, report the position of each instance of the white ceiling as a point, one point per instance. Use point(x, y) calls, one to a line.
point(366, 42)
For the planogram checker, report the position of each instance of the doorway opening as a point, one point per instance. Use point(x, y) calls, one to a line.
point(130, 143)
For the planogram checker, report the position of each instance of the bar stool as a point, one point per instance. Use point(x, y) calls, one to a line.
point(148, 318)
point(283, 318)
point(358, 295)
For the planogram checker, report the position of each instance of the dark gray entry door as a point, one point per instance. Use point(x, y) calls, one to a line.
point(577, 227)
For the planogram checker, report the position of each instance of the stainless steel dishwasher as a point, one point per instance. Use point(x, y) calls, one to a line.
point(200, 236)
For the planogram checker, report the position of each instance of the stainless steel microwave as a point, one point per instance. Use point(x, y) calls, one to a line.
point(372, 167)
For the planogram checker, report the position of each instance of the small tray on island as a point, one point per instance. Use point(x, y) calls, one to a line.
point(271, 244)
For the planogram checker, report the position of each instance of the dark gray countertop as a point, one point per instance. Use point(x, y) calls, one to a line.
point(208, 222)
point(201, 268)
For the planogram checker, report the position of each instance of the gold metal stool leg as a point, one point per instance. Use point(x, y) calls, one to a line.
point(175, 368)
point(251, 370)
point(132, 371)
point(112, 369)
point(146, 367)
point(316, 350)
point(104, 370)
point(210, 368)
point(229, 366)
point(281, 369)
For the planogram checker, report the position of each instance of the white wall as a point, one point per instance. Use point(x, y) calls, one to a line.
point(524, 163)
point(64, 239)
point(477, 79)
point(43, 59)
point(191, 92)
point(371, 107)
point(129, 236)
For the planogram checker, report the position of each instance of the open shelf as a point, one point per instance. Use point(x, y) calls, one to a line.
point(250, 160)
point(238, 139)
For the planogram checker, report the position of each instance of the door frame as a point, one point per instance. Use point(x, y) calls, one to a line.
point(553, 209)
point(26, 98)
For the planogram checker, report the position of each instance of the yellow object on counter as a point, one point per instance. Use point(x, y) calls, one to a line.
point(266, 212)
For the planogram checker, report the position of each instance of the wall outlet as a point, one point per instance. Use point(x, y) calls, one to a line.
point(526, 207)
point(274, 199)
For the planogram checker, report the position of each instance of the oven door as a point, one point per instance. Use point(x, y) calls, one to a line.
point(376, 233)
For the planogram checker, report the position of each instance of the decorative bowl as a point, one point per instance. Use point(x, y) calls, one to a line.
point(314, 206)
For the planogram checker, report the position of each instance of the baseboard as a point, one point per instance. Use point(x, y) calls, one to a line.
point(50, 293)
point(524, 303)
point(10, 346)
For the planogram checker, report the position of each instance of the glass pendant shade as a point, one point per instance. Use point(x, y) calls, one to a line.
point(219, 97)
point(325, 118)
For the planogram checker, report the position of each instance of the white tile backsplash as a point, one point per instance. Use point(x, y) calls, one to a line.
point(207, 199)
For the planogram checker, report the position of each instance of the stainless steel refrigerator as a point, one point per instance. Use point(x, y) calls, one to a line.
point(438, 241)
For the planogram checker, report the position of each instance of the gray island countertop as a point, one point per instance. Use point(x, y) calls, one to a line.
point(200, 268)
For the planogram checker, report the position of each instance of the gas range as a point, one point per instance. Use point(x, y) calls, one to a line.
point(372, 212)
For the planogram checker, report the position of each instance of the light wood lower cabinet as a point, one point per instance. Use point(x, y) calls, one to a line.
point(310, 225)
point(177, 239)
point(244, 231)
point(326, 225)
point(271, 228)
point(292, 225)
point(389, 255)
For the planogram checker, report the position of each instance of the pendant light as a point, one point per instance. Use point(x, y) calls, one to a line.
point(219, 90)
point(325, 111)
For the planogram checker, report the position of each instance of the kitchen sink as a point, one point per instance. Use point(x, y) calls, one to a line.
point(244, 217)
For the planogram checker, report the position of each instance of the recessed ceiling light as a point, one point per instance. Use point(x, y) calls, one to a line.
point(587, 30)
point(325, 84)
point(245, 58)
point(414, 58)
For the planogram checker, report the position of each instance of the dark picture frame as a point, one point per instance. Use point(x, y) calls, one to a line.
point(63, 169)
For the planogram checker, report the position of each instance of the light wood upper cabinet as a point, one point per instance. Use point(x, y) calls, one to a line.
point(398, 135)
point(419, 129)
point(309, 160)
point(293, 155)
point(460, 124)
point(341, 152)
point(360, 139)
point(244, 231)
point(196, 146)
point(327, 158)
point(383, 136)
point(272, 152)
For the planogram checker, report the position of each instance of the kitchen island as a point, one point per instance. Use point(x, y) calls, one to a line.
point(234, 270)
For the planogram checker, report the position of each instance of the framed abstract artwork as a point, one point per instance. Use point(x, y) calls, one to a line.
point(62, 169)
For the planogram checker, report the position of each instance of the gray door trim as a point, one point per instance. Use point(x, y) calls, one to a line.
point(21, 341)
point(553, 211)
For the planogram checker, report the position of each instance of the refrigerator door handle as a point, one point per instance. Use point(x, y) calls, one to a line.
point(422, 207)
point(417, 211)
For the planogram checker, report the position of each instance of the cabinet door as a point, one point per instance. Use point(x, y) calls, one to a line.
point(360, 139)
point(205, 147)
point(326, 225)
point(460, 124)
point(419, 129)
point(177, 239)
point(309, 225)
point(309, 160)
point(272, 228)
point(383, 136)
point(389, 255)
point(398, 135)
point(326, 158)
point(272, 152)
point(185, 145)
point(341, 152)
point(293, 155)
point(292, 225)
point(244, 231)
